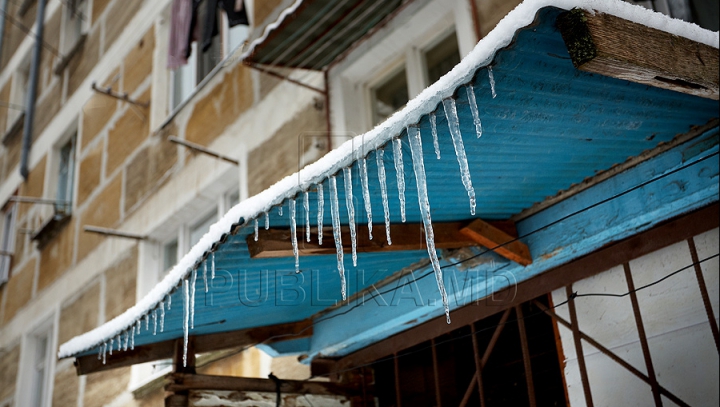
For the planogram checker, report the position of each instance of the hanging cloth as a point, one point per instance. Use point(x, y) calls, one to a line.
point(180, 36)
point(235, 17)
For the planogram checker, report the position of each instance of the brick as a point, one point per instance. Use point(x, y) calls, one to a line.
point(89, 175)
point(138, 62)
point(80, 315)
point(121, 278)
point(96, 113)
point(145, 172)
point(98, 6)
point(56, 256)
point(19, 289)
point(65, 390)
point(47, 107)
point(101, 388)
point(33, 186)
point(83, 61)
point(220, 107)
point(283, 144)
point(119, 15)
point(103, 211)
point(130, 130)
point(9, 359)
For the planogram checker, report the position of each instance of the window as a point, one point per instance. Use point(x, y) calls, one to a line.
point(75, 23)
point(37, 358)
point(397, 62)
point(66, 172)
point(7, 244)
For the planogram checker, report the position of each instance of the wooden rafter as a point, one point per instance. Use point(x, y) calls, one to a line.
point(612, 46)
point(184, 382)
point(495, 239)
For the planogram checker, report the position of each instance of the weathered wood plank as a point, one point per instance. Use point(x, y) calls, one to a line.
point(184, 382)
point(405, 236)
point(202, 343)
point(498, 241)
point(611, 46)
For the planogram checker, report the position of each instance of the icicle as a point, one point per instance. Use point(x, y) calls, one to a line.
point(147, 322)
point(474, 109)
point(186, 314)
point(118, 340)
point(366, 193)
point(491, 77)
point(104, 352)
point(379, 155)
point(293, 234)
point(138, 327)
point(112, 340)
point(280, 210)
point(267, 221)
point(154, 322)
point(212, 266)
point(132, 338)
point(454, 125)
point(424, 203)
point(321, 211)
point(347, 173)
point(256, 229)
point(169, 301)
point(162, 317)
point(400, 173)
point(193, 280)
point(127, 341)
point(335, 212)
point(100, 348)
point(306, 204)
point(205, 275)
point(433, 128)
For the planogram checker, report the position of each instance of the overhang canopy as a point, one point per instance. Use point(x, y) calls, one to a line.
point(550, 126)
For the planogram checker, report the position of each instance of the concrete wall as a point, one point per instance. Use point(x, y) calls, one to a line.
point(681, 343)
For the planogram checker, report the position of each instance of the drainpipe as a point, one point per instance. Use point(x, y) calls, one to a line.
point(3, 9)
point(32, 91)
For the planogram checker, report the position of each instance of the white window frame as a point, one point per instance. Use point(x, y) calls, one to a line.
point(401, 42)
point(25, 390)
point(52, 172)
point(7, 240)
point(67, 43)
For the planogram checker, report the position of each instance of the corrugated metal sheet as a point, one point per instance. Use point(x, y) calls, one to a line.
point(549, 127)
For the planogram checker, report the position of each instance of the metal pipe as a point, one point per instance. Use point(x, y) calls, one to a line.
point(704, 293)
point(32, 91)
point(3, 8)
point(201, 149)
point(113, 232)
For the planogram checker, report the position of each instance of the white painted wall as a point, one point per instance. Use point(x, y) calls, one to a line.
point(681, 343)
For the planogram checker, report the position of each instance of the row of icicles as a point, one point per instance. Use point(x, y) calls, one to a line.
point(126, 339)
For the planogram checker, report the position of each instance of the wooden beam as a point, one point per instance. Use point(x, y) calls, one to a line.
point(202, 343)
point(611, 46)
point(498, 241)
point(662, 235)
point(405, 236)
point(185, 381)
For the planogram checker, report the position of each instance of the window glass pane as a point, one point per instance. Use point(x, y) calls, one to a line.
point(170, 252)
point(65, 176)
point(236, 36)
point(390, 96)
point(183, 82)
point(201, 228)
point(207, 60)
point(441, 58)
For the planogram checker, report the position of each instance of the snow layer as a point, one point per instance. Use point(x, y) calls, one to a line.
point(256, 206)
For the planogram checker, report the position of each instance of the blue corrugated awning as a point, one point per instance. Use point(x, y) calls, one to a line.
point(550, 126)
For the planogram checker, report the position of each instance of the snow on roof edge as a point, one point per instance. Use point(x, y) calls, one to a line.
point(501, 36)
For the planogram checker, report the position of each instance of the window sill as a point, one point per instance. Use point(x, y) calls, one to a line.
point(51, 228)
point(63, 63)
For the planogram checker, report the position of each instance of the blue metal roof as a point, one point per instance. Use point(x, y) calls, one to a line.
point(549, 127)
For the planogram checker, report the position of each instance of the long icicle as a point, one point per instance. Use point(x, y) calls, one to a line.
point(112, 340)
point(335, 212)
point(186, 315)
point(155, 321)
point(162, 316)
point(474, 109)
point(132, 338)
point(267, 220)
point(347, 181)
point(491, 78)
point(205, 275)
point(400, 174)
point(255, 224)
point(321, 211)
point(193, 280)
point(306, 204)
point(169, 301)
point(379, 160)
point(104, 352)
point(362, 162)
point(293, 233)
point(212, 266)
point(454, 125)
point(424, 203)
point(433, 129)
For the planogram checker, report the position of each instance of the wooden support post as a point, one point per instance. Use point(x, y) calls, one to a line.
point(611, 46)
point(498, 241)
point(526, 355)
